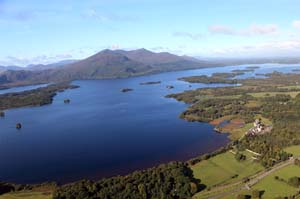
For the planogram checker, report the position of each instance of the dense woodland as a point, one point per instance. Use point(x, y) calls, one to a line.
point(269, 97)
point(225, 78)
point(36, 97)
point(167, 181)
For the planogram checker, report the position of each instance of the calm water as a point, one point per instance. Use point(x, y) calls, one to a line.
point(104, 132)
point(21, 88)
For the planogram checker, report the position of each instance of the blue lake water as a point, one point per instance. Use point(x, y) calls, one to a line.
point(105, 132)
point(21, 88)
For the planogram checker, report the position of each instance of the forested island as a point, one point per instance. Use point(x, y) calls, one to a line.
point(35, 97)
point(225, 78)
point(149, 83)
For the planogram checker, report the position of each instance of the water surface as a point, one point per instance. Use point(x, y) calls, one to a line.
point(105, 132)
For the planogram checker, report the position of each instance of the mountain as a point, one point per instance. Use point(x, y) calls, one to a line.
point(164, 61)
point(5, 68)
point(11, 78)
point(2, 68)
point(103, 65)
point(148, 57)
point(121, 63)
point(50, 66)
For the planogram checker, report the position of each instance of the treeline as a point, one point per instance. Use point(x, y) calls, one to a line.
point(206, 156)
point(167, 181)
point(216, 78)
point(11, 187)
point(210, 109)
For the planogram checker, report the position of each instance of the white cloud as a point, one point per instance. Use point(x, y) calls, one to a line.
point(260, 29)
point(252, 30)
point(41, 59)
point(93, 14)
point(188, 35)
point(286, 48)
point(221, 29)
point(296, 24)
point(106, 17)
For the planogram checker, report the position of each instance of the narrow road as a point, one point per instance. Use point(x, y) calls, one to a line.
point(253, 180)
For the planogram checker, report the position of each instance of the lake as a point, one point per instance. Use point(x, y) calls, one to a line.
point(105, 132)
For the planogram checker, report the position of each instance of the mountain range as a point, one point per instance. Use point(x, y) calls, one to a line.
point(108, 64)
point(103, 65)
point(35, 67)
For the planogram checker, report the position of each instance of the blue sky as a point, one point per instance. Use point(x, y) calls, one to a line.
point(40, 31)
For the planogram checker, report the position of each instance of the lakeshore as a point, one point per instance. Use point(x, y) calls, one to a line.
point(229, 124)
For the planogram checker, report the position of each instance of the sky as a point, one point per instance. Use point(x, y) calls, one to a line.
point(40, 31)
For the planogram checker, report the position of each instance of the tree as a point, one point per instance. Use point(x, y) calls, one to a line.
point(142, 190)
point(297, 162)
point(294, 181)
point(256, 194)
point(242, 196)
point(240, 156)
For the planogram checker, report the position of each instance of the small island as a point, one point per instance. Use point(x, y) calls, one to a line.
point(252, 67)
point(18, 126)
point(2, 114)
point(149, 83)
point(246, 70)
point(124, 90)
point(67, 101)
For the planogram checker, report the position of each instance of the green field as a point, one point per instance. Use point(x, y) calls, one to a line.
point(222, 168)
point(26, 195)
point(265, 94)
point(295, 150)
point(273, 188)
point(238, 133)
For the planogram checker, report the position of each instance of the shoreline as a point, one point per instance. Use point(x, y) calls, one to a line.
point(190, 159)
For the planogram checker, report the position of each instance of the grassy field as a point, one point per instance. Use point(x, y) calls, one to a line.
point(222, 169)
point(273, 188)
point(26, 195)
point(205, 97)
point(257, 95)
point(206, 195)
point(237, 133)
point(265, 94)
point(295, 150)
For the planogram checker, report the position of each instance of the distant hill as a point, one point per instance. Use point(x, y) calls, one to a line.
point(2, 68)
point(50, 66)
point(5, 68)
point(10, 78)
point(260, 60)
